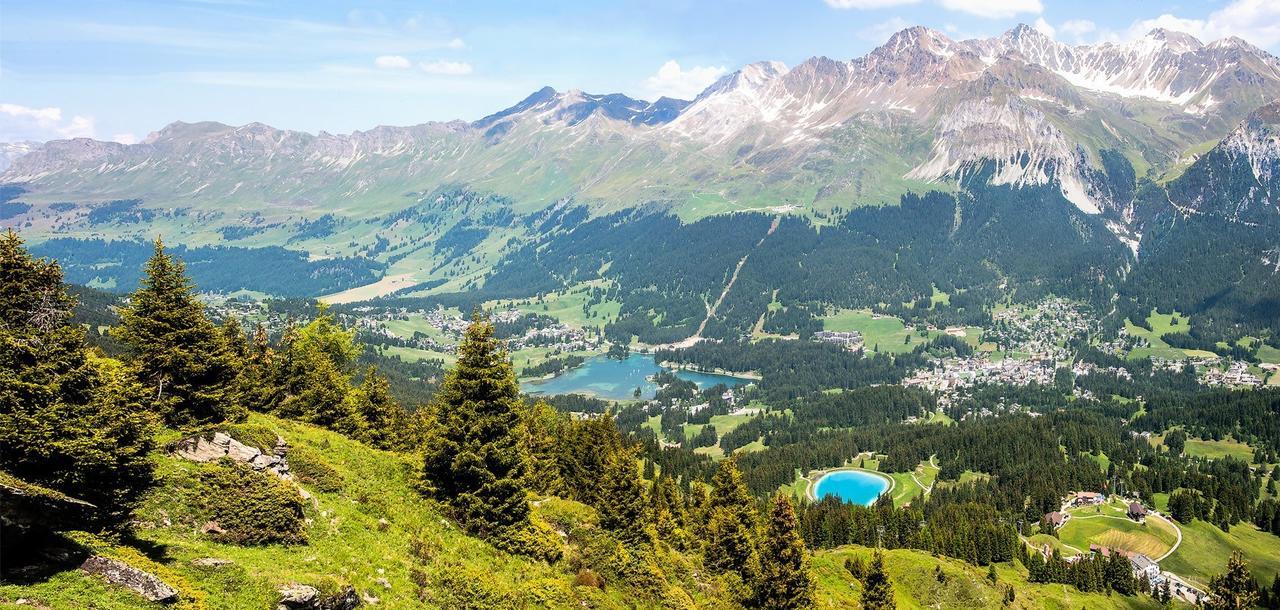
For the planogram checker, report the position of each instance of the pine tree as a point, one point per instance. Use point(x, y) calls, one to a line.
point(622, 501)
point(179, 353)
point(1120, 575)
point(543, 427)
point(381, 415)
point(784, 581)
point(877, 590)
point(474, 461)
point(1235, 589)
point(312, 379)
point(68, 422)
point(667, 512)
point(731, 522)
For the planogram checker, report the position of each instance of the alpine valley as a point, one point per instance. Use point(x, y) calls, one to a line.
point(1014, 161)
point(987, 323)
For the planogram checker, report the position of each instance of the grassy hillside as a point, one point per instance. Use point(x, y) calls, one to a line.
point(916, 585)
point(1205, 549)
point(368, 527)
point(375, 533)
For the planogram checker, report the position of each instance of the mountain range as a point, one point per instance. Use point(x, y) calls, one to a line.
point(1113, 129)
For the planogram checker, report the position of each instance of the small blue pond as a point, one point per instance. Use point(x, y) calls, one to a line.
point(617, 379)
point(851, 486)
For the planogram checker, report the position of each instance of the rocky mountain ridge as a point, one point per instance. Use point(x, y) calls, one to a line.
point(920, 112)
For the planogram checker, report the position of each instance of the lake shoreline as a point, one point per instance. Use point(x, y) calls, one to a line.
point(816, 477)
point(615, 380)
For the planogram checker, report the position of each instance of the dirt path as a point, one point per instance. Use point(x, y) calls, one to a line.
point(1175, 544)
point(711, 311)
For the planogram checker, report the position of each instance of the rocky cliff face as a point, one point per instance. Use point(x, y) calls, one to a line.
point(919, 109)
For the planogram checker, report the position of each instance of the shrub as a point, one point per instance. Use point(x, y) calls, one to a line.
point(309, 468)
point(535, 540)
point(251, 507)
point(462, 588)
point(588, 578)
point(254, 435)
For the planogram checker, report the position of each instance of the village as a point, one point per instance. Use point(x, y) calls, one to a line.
point(1129, 514)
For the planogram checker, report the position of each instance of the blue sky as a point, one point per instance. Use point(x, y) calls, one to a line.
point(117, 70)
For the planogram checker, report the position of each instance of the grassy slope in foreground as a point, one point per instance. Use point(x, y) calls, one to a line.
point(916, 586)
point(346, 543)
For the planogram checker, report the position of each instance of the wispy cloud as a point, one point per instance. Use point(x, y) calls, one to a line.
point(994, 9)
point(1078, 28)
point(18, 122)
point(673, 81)
point(1257, 21)
point(867, 4)
point(395, 62)
point(446, 68)
point(881, 32)
point(1044, 28)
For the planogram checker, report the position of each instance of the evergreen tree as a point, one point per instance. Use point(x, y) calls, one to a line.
point(311, 380)
point(474, 461)
point(253, 385)
point(731, 522)
point(380, 414)
point(667, 512)
point(542, 427)
point(1233, 590)
point(784, 581)
point(622, 501)
point(179, 353)
point(68, 422)
point(877, 590)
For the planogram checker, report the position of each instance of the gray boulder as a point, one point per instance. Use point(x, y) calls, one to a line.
point(305, 597)
point(295, 596)
point(200, 449)
point(122, 574)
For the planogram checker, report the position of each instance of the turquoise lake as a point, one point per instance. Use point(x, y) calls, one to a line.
point(851, 486)
point(617, 379)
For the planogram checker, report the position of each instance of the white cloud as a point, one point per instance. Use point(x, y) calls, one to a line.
point(881, 32)
point(673, 81)
point(446, 68)
point(994, 9)
point(1257, 21)
point(455, 43)
point(1077, 28)
point(19, 123)
point(395, 62)
point(125, 138)
point(867, 4)
point(1044, 28)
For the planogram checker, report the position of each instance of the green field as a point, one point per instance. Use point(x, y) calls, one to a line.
point(915, 584)
point(1218, 449)
point(1198, 447)
point(413, 354)
point(566, 306)
point(1205, 549)
point(1041, 540)
point(1107, 526)
point(886, 332)
point(1162, 324)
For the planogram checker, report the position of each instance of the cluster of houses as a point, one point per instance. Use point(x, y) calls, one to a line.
point(1235, 375)
point(1043, 331)
point(850, 340)
point(949, 378)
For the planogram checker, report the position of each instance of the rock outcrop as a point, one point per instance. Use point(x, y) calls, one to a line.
point(305, 597)
point(200, 449)
point(122, 574)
